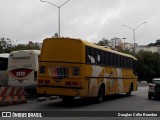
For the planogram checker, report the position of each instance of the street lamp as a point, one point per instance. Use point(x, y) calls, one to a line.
point(124, 43)
point(134, 32)
point(59, 7)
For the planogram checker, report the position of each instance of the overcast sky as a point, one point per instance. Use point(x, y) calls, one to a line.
point(92, 20)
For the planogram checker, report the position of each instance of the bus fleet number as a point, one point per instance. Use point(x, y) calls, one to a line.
point(20, 74)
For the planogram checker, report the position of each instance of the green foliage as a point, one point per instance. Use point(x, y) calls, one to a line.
point(6, 46)
point(151, 44)
point(126, 51)
point(56, 35)
point(154, 44)
point(148, 65)
point(103, 42)
point(25, 47)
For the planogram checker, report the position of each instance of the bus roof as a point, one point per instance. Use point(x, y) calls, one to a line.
point(96, 46)
point(4, 55)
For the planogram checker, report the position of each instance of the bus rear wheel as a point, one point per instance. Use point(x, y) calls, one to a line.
point(67, 99)
point(129, 92)
point(100, 96)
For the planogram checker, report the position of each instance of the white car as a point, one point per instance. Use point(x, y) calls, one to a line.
point(154, 88)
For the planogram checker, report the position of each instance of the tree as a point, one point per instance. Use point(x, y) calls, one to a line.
point(151, 44)
point(103, 42)
point(6, 45)
point(55, 35)
point(26, 47)
point(148, 65)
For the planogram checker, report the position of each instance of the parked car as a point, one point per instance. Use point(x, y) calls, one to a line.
point(154, 88)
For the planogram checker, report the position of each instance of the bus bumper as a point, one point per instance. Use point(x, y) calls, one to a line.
point(60, 91)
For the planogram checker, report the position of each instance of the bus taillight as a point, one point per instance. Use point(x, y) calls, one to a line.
point(47, 81)
point(68, 83)
point(75, 83)
point(40, 81)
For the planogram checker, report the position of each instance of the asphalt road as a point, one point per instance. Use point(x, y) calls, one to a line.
point(137, 102)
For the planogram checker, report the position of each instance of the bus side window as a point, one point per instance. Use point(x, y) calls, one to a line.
point(102, 58)
point(111, 59)
point(135, 67)
point(114, 60)
point(131, 63)
point(98, 56)
point(127, 62)
point(107, 58)
point(124, 62)
point(88, 55)
point(93, 56)
point(119, 60)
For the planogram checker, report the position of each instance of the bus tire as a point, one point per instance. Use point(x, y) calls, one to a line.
point(129, 92)
point(100, 96)
point(67, 99)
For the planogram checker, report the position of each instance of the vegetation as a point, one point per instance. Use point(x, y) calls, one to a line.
point(148, 65)
point(6, 46)
point(155, 44)
point(103, 42)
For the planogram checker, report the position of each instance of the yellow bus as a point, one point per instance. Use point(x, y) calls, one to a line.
point(72, 67)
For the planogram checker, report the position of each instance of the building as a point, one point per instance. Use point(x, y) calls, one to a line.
point(115, 43)
point(152, 49)
point(128, 46)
